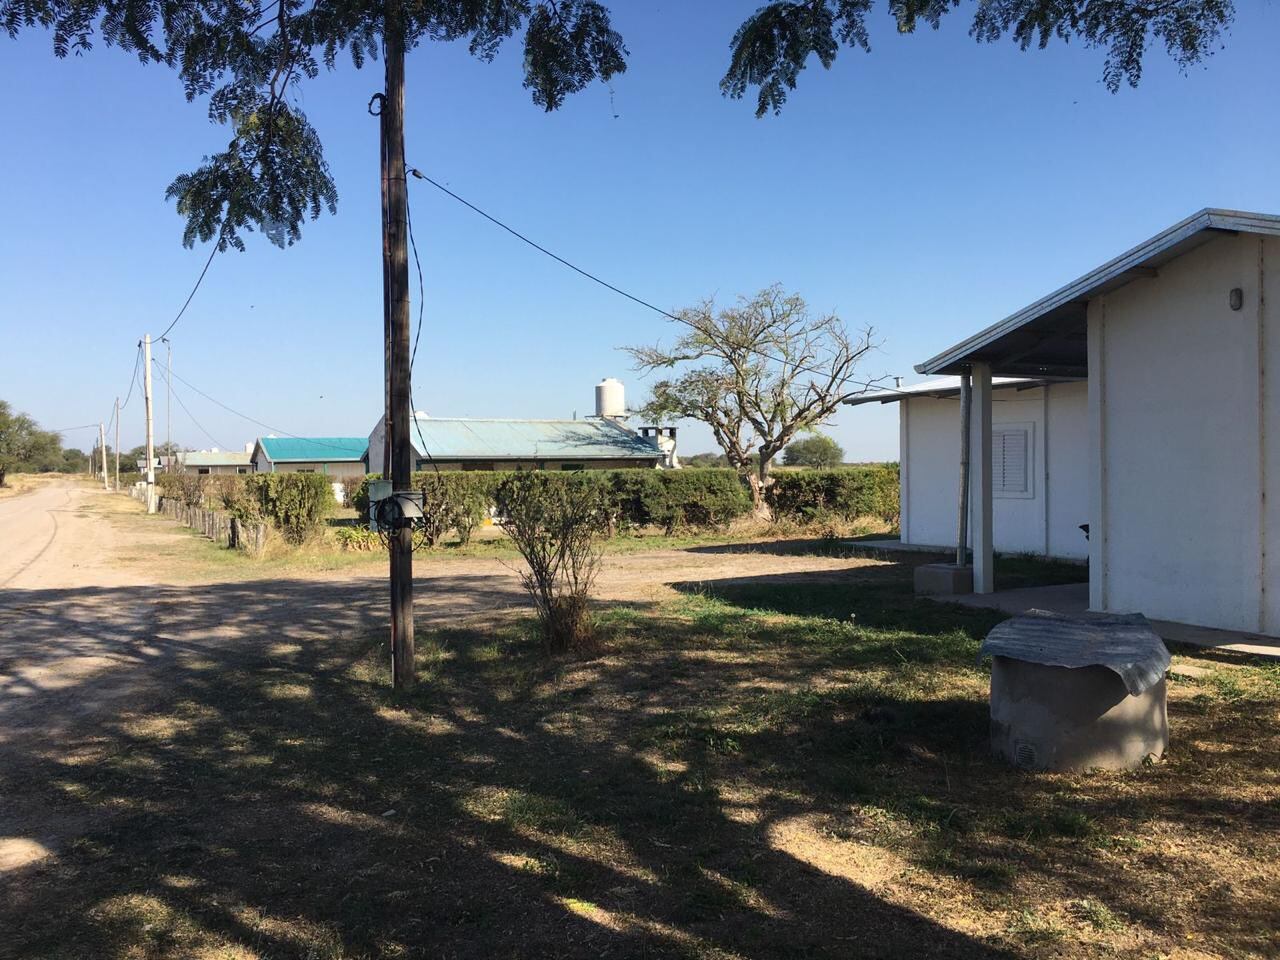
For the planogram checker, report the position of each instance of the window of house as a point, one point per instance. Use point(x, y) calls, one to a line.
point(242, 469)
point(570, 466)
point(306, 470)
point(202, 470)
point(1012, 446)
point(477, 465)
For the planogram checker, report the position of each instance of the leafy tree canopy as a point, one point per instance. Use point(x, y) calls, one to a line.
point(775, 43)
point(248, 56)
point(24, 446)
point(818, 451)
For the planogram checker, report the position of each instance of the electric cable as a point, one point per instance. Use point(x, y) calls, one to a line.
point(618, 290)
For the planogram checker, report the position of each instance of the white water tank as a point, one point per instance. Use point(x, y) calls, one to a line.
point(610, 399)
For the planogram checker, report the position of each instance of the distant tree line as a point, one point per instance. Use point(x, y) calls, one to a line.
point(27, 448)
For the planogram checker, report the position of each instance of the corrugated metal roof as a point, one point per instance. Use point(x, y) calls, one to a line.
point(939, 387)
point(313, 449)
point(1138, 262)
point(462, 439)
point(213, 458)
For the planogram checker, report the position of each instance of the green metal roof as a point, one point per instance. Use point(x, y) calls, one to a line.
point(313, 449)
point(460, 439)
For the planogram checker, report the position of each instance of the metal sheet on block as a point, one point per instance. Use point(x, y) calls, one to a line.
point(1125, 644)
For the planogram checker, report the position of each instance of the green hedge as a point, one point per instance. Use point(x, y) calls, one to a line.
point(848, 492)
point(294, 503)
point(670, 499)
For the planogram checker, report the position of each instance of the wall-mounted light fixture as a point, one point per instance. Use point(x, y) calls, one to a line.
point(1236, 298)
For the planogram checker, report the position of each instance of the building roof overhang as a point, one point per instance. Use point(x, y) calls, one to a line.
point(1049, 337)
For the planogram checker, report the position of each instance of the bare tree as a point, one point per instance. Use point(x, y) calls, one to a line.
point(757, 374)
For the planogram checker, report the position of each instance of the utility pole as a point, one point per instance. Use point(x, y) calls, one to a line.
point(102, 449)
point(117, 444)
point(151, 446)
point(396, 301)
point(168, 406)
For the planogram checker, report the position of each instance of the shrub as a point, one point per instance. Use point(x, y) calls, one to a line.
point(849, 493)
point(556, 521)
point(186, 488)
point(296, 503)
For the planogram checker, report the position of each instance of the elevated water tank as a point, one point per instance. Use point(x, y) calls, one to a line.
point(610, 399)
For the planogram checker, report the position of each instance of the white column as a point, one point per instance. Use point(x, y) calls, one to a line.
point(984, 579)
point(904, 480)
point(1097, 316)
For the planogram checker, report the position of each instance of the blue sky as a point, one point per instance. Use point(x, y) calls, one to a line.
point(925, 189)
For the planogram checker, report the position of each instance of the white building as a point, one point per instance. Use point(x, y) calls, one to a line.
point(1040, 470)
point(1159, 427)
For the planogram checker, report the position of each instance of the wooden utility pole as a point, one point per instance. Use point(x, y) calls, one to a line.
point(102, 449)
point(168, 406)
point(396, 300)
point(117, 444)
point(151, 445)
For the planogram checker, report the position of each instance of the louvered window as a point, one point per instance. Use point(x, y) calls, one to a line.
point(1011, 460)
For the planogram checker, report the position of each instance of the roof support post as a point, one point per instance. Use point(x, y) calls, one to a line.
point(980, 489)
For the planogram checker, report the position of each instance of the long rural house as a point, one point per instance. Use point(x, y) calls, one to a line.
point(602, 442)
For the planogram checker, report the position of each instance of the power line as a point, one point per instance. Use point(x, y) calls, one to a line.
point(83, 426)
point(422, 300)
point(618, 290)
point(245, 416)
point(176, 396)
point(199, 280)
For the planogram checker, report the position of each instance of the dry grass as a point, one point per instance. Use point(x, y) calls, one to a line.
point(757, 768)
point(16, 484)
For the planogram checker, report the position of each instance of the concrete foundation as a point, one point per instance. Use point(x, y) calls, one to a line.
point(939, 579)
point(1072, 719)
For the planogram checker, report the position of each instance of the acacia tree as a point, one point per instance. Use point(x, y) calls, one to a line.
point(757, 374)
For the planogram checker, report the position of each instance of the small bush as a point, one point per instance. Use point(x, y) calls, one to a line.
point(557, 523)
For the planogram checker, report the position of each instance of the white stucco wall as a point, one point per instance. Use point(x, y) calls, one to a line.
point(1045, 522)
point(1186, 424)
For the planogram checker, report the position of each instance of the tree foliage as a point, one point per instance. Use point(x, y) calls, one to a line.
point(757, 374)
point(776, 42)
point(818, 451)
point(24, 446)
point(249, 57)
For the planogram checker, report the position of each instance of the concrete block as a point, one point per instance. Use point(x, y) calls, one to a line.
point(1073, 718)
point(937, 579)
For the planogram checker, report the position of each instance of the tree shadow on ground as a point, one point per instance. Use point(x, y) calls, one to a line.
point(723, 784)
point(276, 800)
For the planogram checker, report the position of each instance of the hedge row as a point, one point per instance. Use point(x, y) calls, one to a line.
point(848, 492)
point(294, 503)
point(669, 499)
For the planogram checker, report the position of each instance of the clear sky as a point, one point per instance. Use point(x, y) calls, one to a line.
point(926, 189)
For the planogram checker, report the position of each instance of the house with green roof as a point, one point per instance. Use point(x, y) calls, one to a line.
point(336, 456)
